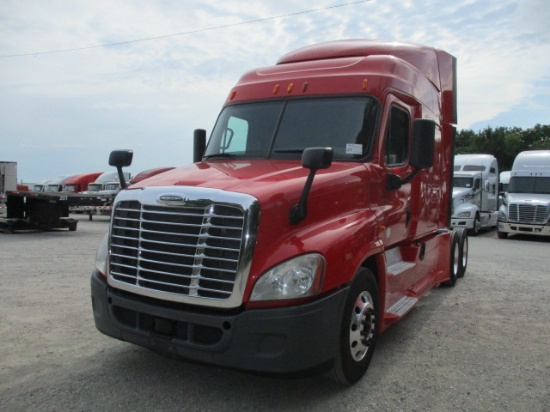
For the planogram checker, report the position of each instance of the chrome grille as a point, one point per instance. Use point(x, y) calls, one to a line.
point(186, 250)
point(523, 213)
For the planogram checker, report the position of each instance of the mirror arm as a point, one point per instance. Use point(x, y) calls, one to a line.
point(299, 212)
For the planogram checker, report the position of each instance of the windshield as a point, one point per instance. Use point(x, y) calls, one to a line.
point(463, 182)
point(94, 187)
point(111, 186)
point(52, 188)
point(70, 188)
point(283, 129)
point(529, 184)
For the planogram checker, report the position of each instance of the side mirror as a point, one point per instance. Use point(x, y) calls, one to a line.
point(422, 150)
point(199, 144)
point(120, 159)
point(313, 158)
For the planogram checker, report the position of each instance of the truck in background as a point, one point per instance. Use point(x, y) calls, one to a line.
point(475, 192)
point(149, 173)
point(317, 216)
point(79, 183)
point(8, 181)
point(56, 185)
point(526, 206)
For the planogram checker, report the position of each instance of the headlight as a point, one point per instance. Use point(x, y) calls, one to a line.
point(101, 256)
point(296, 278)
point(501, 215)
point(464, 214)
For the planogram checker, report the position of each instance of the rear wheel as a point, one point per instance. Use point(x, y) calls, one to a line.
point(358, 330)
point(454, 269)
point(463, 252)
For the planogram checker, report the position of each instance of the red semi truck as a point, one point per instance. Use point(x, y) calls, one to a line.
point(316, 216)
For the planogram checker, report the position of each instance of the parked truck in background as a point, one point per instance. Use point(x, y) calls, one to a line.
point(316, 217)
point(8, 181)
point(526, 206)
point(475, 192)
point(79, 183)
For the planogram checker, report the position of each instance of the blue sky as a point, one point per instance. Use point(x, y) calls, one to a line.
point(62, 112)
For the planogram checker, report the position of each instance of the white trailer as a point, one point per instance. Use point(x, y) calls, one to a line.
point(526, 206)
point(475, 192)
point(8, 181)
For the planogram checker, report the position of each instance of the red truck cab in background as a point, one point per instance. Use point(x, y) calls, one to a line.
point(315, 217)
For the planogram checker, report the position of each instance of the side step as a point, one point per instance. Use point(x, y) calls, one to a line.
point(402, 306)
point(395, 262)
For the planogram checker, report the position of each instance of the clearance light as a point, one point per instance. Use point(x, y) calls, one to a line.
point(276, 89)
point(364, 85)
point(233, 94)
point(290, 87)
point(304, 87)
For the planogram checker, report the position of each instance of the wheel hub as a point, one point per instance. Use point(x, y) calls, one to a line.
point(362, 326)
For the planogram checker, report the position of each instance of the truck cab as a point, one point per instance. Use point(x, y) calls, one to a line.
point(526, 205)
point(316, 216)
point(475, 192)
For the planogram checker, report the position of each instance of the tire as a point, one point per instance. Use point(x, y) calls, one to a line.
point(477, 227)
point(463, 252)
point(454, 269)
point(502, 235)
point(358, 329)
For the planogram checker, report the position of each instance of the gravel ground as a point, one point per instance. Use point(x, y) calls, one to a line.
point(480, 346)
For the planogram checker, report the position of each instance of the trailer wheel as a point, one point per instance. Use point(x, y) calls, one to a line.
point(358, 330)
point(463, 252)
point(455, 259)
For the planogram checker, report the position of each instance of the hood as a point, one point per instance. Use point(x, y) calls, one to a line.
point(262, 179)
point(460, 191)
point(529, 198)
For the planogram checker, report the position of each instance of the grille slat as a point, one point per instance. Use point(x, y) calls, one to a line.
point(192, 251)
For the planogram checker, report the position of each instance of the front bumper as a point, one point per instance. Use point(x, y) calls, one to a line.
point(465, 223)
point(523, 229)
point(277, 340)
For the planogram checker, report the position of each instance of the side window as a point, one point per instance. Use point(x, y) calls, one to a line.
point(397, 139)
point(235, 136)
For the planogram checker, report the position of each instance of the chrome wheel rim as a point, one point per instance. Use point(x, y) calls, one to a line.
point(362, 326)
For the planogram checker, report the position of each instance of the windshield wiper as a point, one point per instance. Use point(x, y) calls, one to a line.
point(288, 151)
point(226, 155)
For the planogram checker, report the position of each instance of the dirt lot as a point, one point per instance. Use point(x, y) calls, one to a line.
point(481, 346)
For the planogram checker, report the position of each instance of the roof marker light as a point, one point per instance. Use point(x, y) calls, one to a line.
point(364, 85)
point(233, 94)
point(276, 89)
point(290, 87)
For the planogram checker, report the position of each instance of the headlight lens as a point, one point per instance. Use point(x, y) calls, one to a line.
point(101, 255)
point(296, 278)
point(464, 214)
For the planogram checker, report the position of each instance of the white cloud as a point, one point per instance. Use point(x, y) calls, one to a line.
point(153, 93)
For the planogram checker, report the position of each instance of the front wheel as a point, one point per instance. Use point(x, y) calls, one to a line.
point(358, 330)
point(474, 231)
